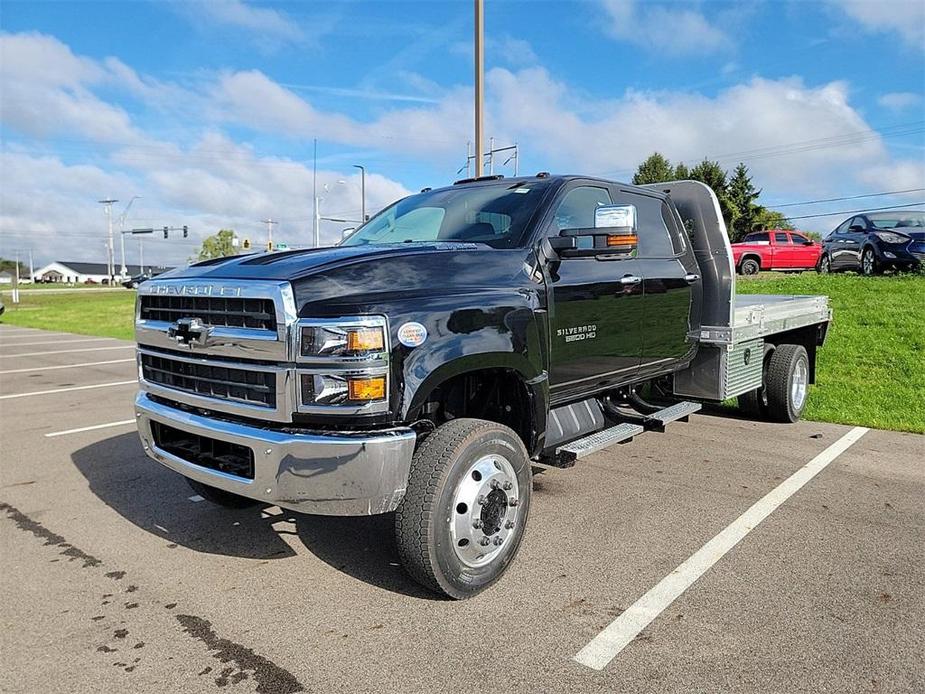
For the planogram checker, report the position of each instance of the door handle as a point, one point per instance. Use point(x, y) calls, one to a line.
point(630, 279)
point(690, 278)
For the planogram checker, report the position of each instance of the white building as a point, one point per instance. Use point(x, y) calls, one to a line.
point(79, 273)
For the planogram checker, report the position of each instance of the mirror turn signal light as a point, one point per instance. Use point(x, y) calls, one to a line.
point(622, 240)
point(366, 389)
point(365, 340)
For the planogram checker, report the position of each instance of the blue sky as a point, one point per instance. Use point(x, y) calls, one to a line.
point(209, 110)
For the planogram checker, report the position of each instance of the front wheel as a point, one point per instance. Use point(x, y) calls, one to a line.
point(750, 266)
point(465, 510)
point(869, 265)
point(825, 265)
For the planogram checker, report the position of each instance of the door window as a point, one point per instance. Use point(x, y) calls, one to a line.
point(781, 239)
point(576, 209)
point(654, 237)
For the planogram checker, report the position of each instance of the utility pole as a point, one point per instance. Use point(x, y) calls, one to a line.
point(111, 265)
point(31, 268)
point(124, 271)
point(316, 231)
point(269, 223)
point(362, 192)
point(479, 86)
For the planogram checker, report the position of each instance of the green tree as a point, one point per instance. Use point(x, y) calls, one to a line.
point(769, 219)
point(655, 169)
point(10, 266)
point(681, 172)
point(218, 245)
point(713, 175)
point(742, 195)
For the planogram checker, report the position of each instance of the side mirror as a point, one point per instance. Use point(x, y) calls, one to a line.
point(613, 235)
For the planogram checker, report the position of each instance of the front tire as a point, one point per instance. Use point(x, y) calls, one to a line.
point(825, 265)
point(869, 264)
point(750, 266)
point(465, 510)
point(787, 385)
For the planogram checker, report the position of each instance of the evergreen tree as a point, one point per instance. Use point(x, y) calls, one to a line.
point(655, 169)
point(742, 195)
point(713, 175)
point(681, 172)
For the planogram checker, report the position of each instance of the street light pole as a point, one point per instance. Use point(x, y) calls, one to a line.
point(362, 192)
point(124, 270)
point(110, 267)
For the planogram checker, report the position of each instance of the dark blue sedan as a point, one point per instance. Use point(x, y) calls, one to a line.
point(874, 242)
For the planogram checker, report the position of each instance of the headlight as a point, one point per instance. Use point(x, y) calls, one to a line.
point(337, 390)
point(890, 237)
point(342, 339)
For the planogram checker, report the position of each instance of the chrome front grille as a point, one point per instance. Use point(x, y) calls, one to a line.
point(214, 380)
point(222, 311)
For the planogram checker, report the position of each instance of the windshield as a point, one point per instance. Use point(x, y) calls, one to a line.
point(496, 215)
point(897, 220)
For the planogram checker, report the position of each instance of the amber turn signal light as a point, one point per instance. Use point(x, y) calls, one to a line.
point(365, 340)
point(624, 240)
point(366, 389)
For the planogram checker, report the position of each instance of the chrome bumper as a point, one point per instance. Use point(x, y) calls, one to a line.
point(336, 475)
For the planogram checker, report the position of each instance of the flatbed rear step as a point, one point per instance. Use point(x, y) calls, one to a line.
point(622, 433)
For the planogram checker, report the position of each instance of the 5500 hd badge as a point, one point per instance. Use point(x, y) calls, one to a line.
point(579, 332)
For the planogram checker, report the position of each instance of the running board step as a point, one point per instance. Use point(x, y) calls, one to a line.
point(622, 433)
point(679, 412)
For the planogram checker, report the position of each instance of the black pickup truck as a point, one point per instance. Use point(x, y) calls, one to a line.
point(459, 340)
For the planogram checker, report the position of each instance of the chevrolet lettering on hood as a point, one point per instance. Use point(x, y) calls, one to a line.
point(193, 290)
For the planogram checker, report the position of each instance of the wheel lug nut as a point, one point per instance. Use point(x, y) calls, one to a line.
point(509, 524)
point(494, 484)
point(481, 500)
point(484, 542)
point(477, 523)
point(512, 502)
point(498, 541)
point(508, 486)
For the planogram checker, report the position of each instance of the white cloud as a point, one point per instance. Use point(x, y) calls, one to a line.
point(263, 21)
point(899, 101)
point(904, 17)
point(669, 31)
point(897, 175)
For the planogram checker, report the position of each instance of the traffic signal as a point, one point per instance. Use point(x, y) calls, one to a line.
point(246, 245)
point(165, 232)
point(185, 231)
point(269, 246)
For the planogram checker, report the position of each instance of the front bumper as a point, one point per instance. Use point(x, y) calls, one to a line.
point(335, 475)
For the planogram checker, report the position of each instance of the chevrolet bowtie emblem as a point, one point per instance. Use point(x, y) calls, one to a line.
point(189, 332)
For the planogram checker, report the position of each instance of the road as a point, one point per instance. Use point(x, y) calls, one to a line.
point(116, 577)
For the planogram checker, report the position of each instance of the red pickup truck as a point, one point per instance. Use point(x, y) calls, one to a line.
point(775, 249)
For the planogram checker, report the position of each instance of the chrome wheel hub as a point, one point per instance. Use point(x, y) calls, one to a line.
point(798, 385)
point(868, 263)
point(485, 510)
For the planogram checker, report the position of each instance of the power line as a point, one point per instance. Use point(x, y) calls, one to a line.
point(868, 209)
point(850, 197)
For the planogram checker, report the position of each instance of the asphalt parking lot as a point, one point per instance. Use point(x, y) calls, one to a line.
point(117, 578)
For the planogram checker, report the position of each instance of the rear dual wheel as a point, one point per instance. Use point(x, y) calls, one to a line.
point(782, 397)
point(465, 510)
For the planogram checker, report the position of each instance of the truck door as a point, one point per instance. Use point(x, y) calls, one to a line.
point(785, 255)
point(671, 282)
point(595, 306)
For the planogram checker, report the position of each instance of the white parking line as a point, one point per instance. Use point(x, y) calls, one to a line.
point(67, 390)
point(619, 633)
point(56, 342)
point(65, 366)
point(93, 428)
point(64, 351)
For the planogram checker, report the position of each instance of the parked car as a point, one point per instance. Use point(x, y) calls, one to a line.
point(775, 249)
point(874, 242)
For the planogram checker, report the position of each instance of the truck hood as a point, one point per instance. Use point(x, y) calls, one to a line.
point(295, 265)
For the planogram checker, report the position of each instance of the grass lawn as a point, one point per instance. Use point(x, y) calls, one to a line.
point(105, 314)
point(871, 370)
